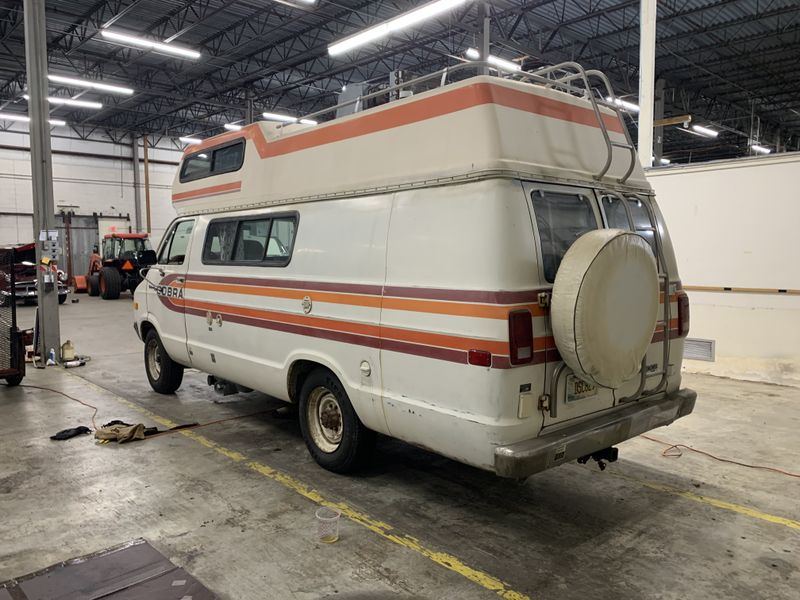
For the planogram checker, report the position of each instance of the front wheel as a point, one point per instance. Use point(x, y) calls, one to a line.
point(14, 380)
point(94, 285)
point(110, 283)
point(333, 433)
point(164, 374)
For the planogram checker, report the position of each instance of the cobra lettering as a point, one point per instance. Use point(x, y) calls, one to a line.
point(169, 292)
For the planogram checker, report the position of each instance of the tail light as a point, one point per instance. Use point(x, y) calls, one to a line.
point(480, 358)
point(683, 313)
point(520, 335)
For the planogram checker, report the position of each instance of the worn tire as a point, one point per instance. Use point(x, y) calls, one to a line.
point(355, 441)
point(110, 283)
point(93, 285)
point(14, 380)
point(163, 373)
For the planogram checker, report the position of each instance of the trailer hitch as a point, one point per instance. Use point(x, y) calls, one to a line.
point(601, 457)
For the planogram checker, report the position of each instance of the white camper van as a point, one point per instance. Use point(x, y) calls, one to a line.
point(479, 269)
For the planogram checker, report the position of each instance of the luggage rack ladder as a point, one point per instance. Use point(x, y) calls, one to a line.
point(560, 76)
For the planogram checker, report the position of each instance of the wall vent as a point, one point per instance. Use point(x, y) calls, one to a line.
point(697, 349)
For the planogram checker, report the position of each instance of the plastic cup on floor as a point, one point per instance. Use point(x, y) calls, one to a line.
point(328, 524)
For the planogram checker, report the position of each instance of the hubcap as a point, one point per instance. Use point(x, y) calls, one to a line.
point(324, 418)
point(154, 359)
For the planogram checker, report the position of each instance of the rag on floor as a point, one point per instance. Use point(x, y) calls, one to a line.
point(66, 434)
point(121, 432)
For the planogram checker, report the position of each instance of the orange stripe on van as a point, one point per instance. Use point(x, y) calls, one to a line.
point(214, 190)
point(460, 309)
point(469, 96)
point(405, 335)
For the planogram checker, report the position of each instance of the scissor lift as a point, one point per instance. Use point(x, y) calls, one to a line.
point(12, 348)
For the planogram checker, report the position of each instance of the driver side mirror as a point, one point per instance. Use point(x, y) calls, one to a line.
point(147, 258)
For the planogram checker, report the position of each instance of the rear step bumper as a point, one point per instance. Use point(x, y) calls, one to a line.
point(531, 456)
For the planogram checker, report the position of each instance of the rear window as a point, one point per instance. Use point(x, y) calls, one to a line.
point(561, 218)
point(213, 161)
point(617, 218)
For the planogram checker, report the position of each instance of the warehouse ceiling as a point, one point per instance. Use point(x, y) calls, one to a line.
point(733, 65)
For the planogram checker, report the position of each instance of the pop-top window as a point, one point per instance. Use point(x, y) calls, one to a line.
point(213, 161)
point(561, 218)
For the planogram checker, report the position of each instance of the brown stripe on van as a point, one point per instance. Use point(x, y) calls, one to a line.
point(321, 286)
point(482, 296)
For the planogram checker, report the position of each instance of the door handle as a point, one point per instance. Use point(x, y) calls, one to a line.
point(181, 279)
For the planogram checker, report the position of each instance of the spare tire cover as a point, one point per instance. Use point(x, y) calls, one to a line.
point(605, 305)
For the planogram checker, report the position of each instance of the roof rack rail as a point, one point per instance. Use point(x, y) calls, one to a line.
point(569, 77)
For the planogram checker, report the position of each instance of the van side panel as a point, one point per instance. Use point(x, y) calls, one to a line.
point(324, 306)
point(459, 259)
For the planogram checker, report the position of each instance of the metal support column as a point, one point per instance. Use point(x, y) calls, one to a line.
point(647, 70)
point(137, 185)
point(41, 172)
point(658, 132)
point(146, 151)
point(248, 116)
point(485, 34)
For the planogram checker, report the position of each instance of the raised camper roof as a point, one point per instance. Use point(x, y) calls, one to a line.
point(541, 125)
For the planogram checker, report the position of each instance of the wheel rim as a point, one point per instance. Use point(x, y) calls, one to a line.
point(154, 359)
point(325, 421)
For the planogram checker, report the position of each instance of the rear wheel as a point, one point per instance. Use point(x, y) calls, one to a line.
point(164, 374)
point(14, 380)
point(94, 285)
point(333, 433)
point(110, 283)
point(62, 298)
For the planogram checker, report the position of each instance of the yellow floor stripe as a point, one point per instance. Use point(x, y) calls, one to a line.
point(737, 508)
point(382, 529)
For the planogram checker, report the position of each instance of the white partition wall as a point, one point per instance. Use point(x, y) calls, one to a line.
point(88, 176)
point(736, 224)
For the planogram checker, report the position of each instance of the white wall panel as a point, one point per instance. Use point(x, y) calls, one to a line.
point(85, 184)
point(734, 224)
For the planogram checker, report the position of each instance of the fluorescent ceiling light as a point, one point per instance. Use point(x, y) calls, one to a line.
point(27, 119)
point(190, 140)
point(705, 131)
point(624, 104)
point(94, 85)
point(232, 127)
point(150, 44)
point(70, 102)
point(386, 28)
point(760, 149)
point(505, 65)
point(287, 118)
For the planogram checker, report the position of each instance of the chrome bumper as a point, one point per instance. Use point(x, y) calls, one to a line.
point(551, 449)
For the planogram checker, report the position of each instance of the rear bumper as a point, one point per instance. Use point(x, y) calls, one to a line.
point(532, 456)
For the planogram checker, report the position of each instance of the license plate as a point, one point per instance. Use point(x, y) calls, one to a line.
point(578, 389)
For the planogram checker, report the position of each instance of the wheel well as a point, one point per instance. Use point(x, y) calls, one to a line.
point(297, 375)
point(146, 326)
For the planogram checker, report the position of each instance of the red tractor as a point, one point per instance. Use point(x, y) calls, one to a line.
point(116, 268)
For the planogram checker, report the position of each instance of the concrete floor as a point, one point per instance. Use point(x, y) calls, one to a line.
point(228, 501)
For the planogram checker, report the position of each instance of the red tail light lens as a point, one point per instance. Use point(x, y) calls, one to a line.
point(683, 313)
point(480, 358)
point(520, 335)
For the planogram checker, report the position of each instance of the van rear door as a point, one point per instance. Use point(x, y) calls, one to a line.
point(562, 214)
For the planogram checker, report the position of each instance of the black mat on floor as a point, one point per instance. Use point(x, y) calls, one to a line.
point(133, 571)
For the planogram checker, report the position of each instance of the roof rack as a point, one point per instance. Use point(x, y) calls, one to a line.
point(569, 77)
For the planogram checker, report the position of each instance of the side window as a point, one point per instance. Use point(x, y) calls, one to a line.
point(281, 238)
point(219, 241)
point(108, 249)
point(228, 159)
point(173, 250)
point(196, 166)
point(561, 218)
point(213, 162)
point(251, 241)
